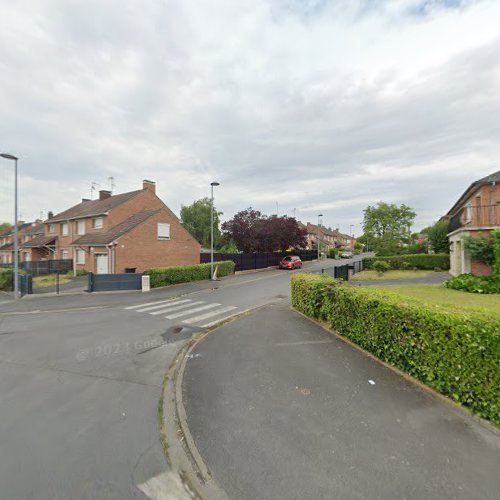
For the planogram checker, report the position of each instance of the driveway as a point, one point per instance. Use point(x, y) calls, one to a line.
point(280, 409)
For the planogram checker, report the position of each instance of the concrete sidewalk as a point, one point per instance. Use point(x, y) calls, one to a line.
point(279, 408)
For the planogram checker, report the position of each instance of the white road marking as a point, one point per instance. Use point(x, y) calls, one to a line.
point(177, 308)
point(189, 311)
point(136, 306)
point(164, 304)
point(165, 486)
point(202, 317)
point(217, 321)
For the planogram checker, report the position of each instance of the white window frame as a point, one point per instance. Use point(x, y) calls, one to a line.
point(80, 227)
point(64, 229)
point(64, 254)
point(468, 212)
point(52, 228)
point(80, 256)
point(97, 223)
point(163, 231)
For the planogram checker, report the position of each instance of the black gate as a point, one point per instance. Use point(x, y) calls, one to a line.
point(114, 282)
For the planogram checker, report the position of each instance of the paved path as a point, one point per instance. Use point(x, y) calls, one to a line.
point(280, 409)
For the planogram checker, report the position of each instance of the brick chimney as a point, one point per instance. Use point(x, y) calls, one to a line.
point(103, 194)
point(149, 185)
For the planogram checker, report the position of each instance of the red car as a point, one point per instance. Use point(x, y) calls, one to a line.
point(291, 262)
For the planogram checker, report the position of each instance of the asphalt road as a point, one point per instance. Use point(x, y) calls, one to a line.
point(280, 409)
point(80, 381)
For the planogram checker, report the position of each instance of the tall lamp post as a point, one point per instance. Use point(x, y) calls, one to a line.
point(319, 224)
point(8, 156)
point(212, 185)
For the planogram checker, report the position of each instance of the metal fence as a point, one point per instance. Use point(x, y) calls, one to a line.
point(114, 282)
point(44, 267)
point(248, 261)
point(343, 272)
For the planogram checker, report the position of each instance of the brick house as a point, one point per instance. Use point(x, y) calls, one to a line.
point(475, 213)
point(330, 238)
point(26, 231)
point(113, 234)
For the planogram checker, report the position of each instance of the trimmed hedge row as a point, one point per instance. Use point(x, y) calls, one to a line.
point(454, 352)
point(6, 279)
point(419, 261)
point(165, 276)
point(474, 284)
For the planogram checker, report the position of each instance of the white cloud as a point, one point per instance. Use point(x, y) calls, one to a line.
point(319, 105)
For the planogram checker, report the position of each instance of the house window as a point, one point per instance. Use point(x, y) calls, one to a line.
point(163, 231)
point(80, 257)
point(97, 223)
point(26, 239)
point(80, 227)
point(52, 228)
point(468, 212)
point(64, 229)
point(27, 257)
point(65, 255)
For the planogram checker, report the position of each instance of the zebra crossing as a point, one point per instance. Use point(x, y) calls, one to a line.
point(187, 311)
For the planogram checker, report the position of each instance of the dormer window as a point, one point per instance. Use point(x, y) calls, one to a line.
point(97, 223)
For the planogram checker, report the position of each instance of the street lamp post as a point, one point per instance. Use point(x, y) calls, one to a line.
point(8, 156)
point(212, 185)
point(319, 224)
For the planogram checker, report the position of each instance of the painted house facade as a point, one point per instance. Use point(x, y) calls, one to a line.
point(127, 232)
point(475, 213)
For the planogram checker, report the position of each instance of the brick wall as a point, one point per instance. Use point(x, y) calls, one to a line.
point(140, 248)
point(480, 268)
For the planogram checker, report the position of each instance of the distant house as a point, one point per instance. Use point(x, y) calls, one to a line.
point(126, 232)
point(26, 231)
point(475, 213)
point(328, 237)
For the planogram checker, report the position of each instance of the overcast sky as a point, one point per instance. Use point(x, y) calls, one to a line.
point(323, 106)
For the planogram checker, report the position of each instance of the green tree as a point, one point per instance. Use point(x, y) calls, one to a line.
point(437, 235)
point(4, 226)
point(387, 227)
point(196, 219)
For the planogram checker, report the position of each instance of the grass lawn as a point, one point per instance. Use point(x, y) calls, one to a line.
point(389, 275)
point(50, 280)
point(437, 294)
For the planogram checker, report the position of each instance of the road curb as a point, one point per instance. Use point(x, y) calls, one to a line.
point(178, 444)
point(425, 388)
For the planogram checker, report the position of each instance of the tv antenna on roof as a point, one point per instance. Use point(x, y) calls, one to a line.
point(112, 183)
point(92, 189)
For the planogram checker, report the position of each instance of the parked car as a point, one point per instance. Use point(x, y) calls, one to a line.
point(346, 255)
point(291, 262)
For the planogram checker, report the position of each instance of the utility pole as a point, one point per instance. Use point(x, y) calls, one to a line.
point(212, 185)
point(8, 156)
point(319, 224)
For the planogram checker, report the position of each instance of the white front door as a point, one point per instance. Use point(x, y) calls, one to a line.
point(102, 263)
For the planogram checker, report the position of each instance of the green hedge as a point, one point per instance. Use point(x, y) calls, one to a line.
point(6, 279)
point(454, 352)
point(474, 284)
point(419, 261)
point(164, 276)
